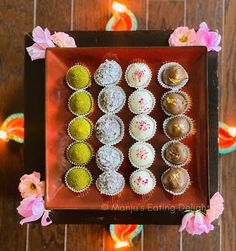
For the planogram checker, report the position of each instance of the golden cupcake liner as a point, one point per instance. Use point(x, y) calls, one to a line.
point(80, 140)
point(139, 166)
point(109, 194)
point(71, 188)
point(138, 192)
point(92, 104)
point(154, 128)
point(115, 83)
point(184, 95)
point(120, 138)
point(77, 164)
point(86, 68)
point(159, 77)
point(185, 188)
point(139, 87)
point(163, 149)
point(115, 169)
point(191, 124)
point(136, 91)
point(116, 110)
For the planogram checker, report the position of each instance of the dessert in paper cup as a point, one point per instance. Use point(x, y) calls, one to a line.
point(111, 99)
point(109, 158)
point(141, 155)
point(78, 77)
point(78, 179)
point(175, 103)
point(138, 75)
point(178, 127)
point(142, 182)
point(175, 180)
point(108, 73)
point(142, 127)
point(141, 101)
point(109, 129)
point(175, 154)
point(79, 153)
point(80, 103)
point(110, 183)
point(80, 128)
point(172, 76)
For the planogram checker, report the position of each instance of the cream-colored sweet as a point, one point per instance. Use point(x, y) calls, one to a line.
point(141, 155)
point(142, 181)
point(142, 127)
point(138, 75)
point(141, 102)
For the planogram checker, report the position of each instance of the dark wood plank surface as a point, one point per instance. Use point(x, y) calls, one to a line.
point(16, 18)
point(228, 114)
point(211, 12)
point(56, 15)
point(11, 101)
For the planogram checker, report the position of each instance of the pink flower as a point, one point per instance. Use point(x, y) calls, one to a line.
point(32, 208)
point(216, 207)
point(62, 39)
point(42, 37)
point(36, 51)
point(182, 36)
point(30, 185)
point(207, 38)
point(196, 223)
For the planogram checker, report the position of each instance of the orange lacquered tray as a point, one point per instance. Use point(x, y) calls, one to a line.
point(58, 61)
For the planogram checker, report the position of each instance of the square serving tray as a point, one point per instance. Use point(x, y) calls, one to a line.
point(160, 208)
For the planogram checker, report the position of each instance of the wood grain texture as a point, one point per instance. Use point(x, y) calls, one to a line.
point(85, 20)
point(209, 242)
point(211, 12)
point(139, 8)
point(161, 238)
point(228, 115)
point(54, 14)
point(165, 14)
point(49, 238)
point(15, 18)
point(85, 237)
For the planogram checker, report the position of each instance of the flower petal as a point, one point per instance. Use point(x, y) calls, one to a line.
point(45, 221)
point(185, 220)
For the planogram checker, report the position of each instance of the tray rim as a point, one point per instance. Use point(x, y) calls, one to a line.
point(124, 216)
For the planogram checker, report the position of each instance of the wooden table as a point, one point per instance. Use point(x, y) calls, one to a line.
point(19, 16)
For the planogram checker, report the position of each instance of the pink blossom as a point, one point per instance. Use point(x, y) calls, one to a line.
point(62, 39)
point(42, 37)
point(32, 208)
point(216, 207)
point(30, 185)
point(196, 223)
point(36, 51)
point(182, 36)
point(210, 39)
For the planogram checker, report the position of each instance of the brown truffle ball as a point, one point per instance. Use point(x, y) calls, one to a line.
point(178, 127)
point(176, 153)
point(174, 103)
point(174, 75)
point(175, 180)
